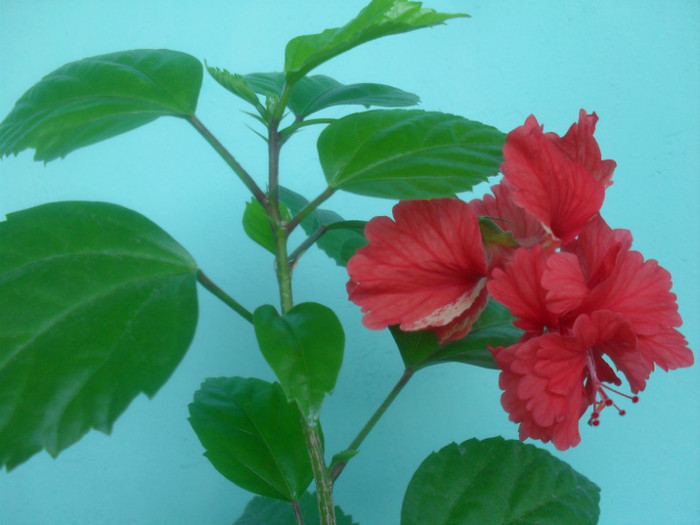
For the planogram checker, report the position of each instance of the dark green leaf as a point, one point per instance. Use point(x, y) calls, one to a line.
point(318, 92)
point(265, 511)
point(235, 83)
point(380, 18)
point(342, 238)
point(257, 225)
point(305, 349)
point(98, 304)
point(97, 98)
point(498, 482)
point(493, 328)
point(252, 435)
point(400, 154)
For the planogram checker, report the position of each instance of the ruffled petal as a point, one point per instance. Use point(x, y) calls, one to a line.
point(565, 283)
point(557, 189)
point(421, 270)
point(519, 287)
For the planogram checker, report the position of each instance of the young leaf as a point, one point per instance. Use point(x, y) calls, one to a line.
point(498, 482)
point(305, 349)
point(257, 225)
point(235, 83)
point(380, 18)
point(494, 327)
point(408, 154)
point(98, 304)
point(312, 94)
point(342, 238)
point(252, 435)
point(265, 511)
point(97, 98)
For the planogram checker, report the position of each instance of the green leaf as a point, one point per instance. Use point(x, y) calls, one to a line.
point(266, 83)
point(252, 435)
point(97, 98)
point(408, 154)
point(498, 482)
point(493, 328)
point(257, 225)
point(380, 18)
point(342, 238)
point(98, 304)
point(265, 511)
point(305, 349)
point(312, 94)
point(235, 83)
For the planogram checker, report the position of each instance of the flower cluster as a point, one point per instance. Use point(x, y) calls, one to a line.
point(583, 298)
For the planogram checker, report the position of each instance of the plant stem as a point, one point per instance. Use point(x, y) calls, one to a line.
point(309, 208)
point(227, 299)
point(306, 244)
point(297, 513)
point(324, 484)
point(230, 160)
point(338, 467)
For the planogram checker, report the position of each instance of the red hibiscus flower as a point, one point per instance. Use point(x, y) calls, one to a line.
point(561, 181)
point(425, 269)
point(593, 302)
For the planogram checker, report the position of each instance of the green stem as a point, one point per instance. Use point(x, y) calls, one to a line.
point(337, 468)
point(324, 484)
point(309, 208)
point(227, 299)
point(308, 242)
point(289, 130)
point(297, 512)
point(230, 159)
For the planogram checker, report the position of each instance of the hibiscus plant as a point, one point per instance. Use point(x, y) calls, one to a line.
point(99, 304)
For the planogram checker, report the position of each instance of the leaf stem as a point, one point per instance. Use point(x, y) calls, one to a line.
point(229, 159)
point(297, 512)
point(309, 208)
point(338, 467)
point(227, 299)
point(308, 242)
point(298, 124)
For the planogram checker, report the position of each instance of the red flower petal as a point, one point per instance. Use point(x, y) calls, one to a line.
point(548, 183)
point(422, 270)
point(565, 283)
point(519, 287)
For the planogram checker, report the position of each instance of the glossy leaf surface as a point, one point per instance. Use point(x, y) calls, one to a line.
point(380, 18)
point(494, 327)
point(266, 511)
point(99, 97)
point(342, 237)
point(498, 482)
point(97, 305)
point(305, 349)
point(408, 154)
point(257, 226)
point(252, 435)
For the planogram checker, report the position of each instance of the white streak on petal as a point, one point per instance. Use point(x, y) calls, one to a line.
point(448, 312)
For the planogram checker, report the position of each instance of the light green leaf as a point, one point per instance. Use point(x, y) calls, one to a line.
point(98, 304)
point(312, 94)
point(252, 435)
point(257, 225)
point(266, 511)
point(305, 349)
point(493, 328)
point(498, 482)
point(265, 83)
point(235, 83)
point(97, 98)
point(408, 154)
point(380, 18)
point(342, 238)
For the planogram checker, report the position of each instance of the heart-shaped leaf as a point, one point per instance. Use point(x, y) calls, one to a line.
point(99, 97)
point(408, 154)
point(97, 305)
point(304, 347)
point(342, 238)
point(493, 328)
point(498, 482)
point(380, 18)
point(266, 511)
point(252, 435)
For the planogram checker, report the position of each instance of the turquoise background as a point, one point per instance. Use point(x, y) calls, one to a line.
point(636, 63)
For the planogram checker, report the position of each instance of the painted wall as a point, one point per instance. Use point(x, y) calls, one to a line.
point(637, 64)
